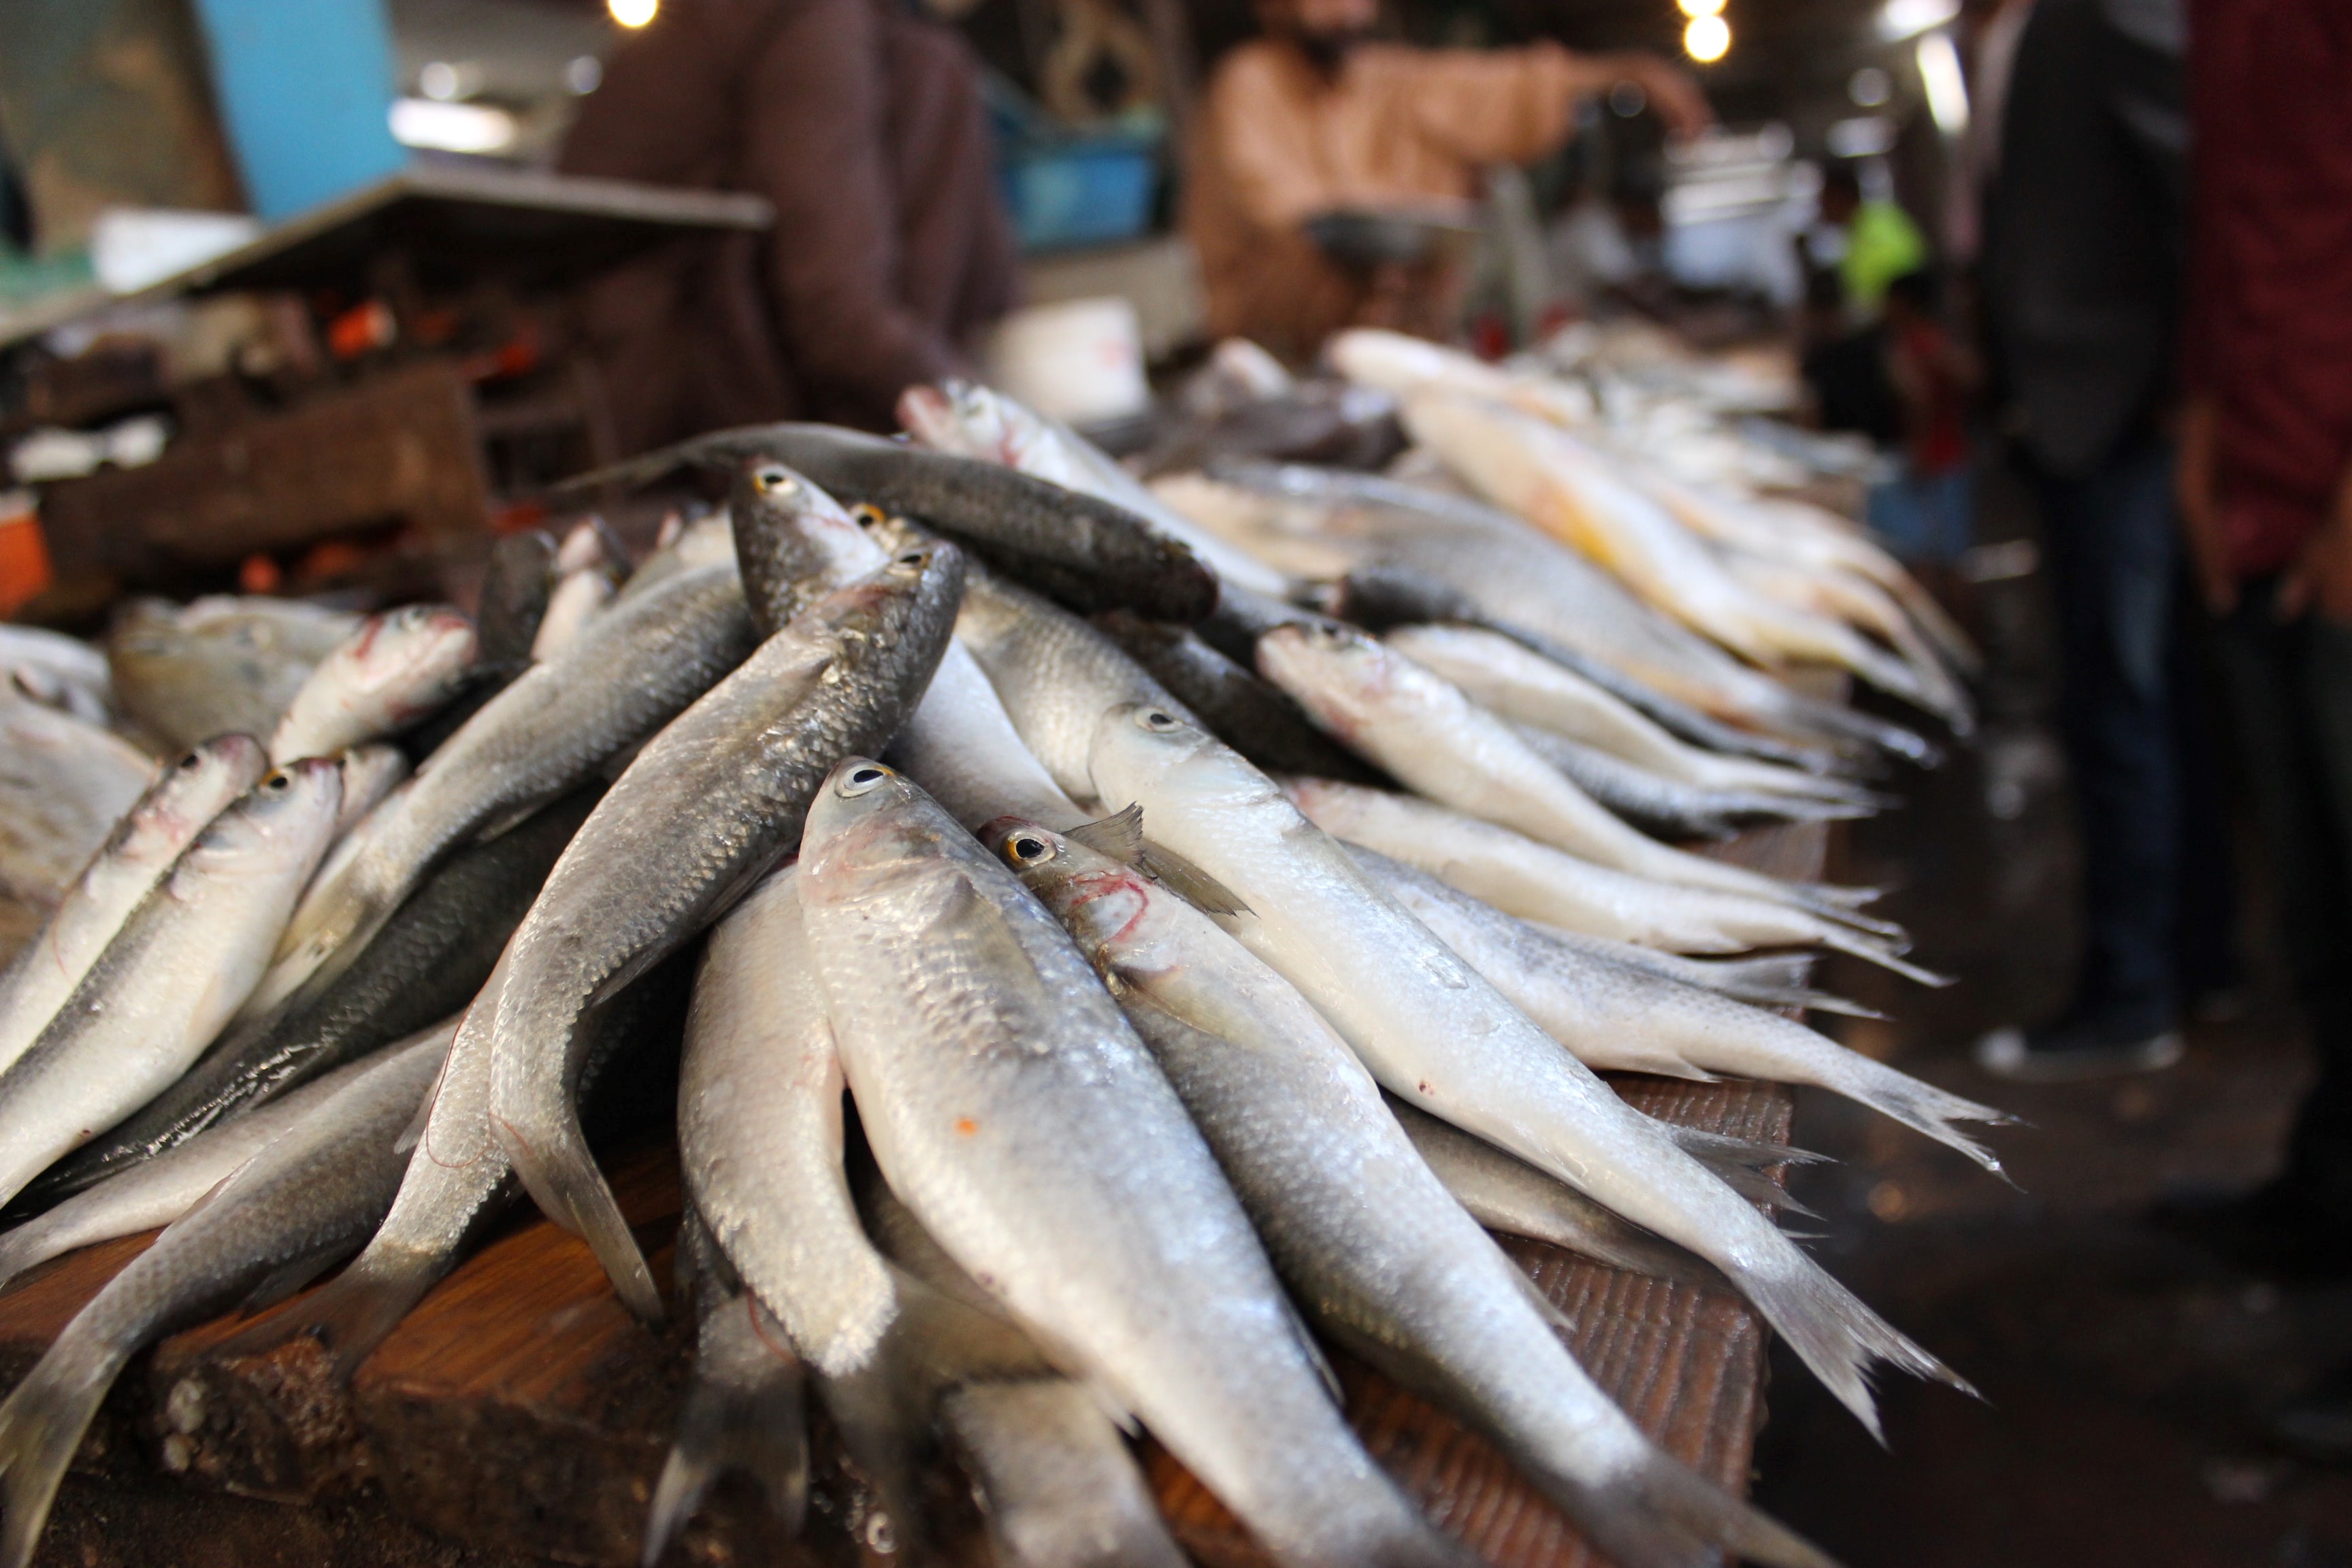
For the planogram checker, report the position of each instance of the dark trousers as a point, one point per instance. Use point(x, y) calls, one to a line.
point(2289, 690)
point(2115, 560)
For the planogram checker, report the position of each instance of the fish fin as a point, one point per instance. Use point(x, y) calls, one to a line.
point(499, 826)
point(743, 1411)
point(1119, 835)
point(1657, 1513)
point(1757, 1186)
point(1754, 1153)
point(1833, 1332)
point(351, 1315)
point(1920, 1106)
point(1190, 882)
point(562, 1177)
point(1861, 947)
point(40, 1426)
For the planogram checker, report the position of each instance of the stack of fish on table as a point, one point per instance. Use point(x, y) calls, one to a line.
point(1215, 899)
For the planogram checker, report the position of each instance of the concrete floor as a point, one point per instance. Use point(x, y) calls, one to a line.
point(2123, 1371)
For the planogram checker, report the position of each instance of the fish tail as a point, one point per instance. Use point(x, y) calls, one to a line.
point(1733, 1166)
point(743, 1412)
point(1853, 724)
point(1777, 980)
point(1917, 1105)
point(1879, 954)
point(40, 1426)
point(352, 1313)
point(556, 1169)
point(26, 1246)
point(1664, 1515)
point(1835, 1333)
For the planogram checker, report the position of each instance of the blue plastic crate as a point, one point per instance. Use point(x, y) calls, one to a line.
point(1095, 191)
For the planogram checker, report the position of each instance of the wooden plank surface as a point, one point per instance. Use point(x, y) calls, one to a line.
point(520, 1410)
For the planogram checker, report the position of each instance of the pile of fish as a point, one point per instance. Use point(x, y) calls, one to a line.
point(1215, 900)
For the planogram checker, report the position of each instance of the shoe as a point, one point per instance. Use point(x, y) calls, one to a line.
point(2317, 1422)
point(2074, 1049)
point(2279, 1230)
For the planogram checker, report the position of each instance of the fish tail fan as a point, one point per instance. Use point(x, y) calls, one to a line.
point(40, 1426)
point(1750, 1182)
point(562, 1177)
point(1668, 1502)
point(1813, 1001)
point(1852, 725)
point(1920, 1106)
point(1750, 1153)
point(351, 1314)
point(1879, 954)
point(1777, 980)
point(24, 1246)
point(743, 1412)
point(1835, 1333)
point(1935, 623)
point(1927, 687)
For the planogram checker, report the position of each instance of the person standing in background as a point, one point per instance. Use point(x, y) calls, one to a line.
point(862, 121)
point(1868, 244)
point(2266, 490)
point(1316, 118)
point(2083, 230)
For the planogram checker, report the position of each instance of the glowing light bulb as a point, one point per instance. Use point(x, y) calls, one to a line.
point(633, 12)
point(1701, 8)
point(1707, 39)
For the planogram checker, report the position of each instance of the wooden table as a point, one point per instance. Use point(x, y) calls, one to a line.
point(522, 1412)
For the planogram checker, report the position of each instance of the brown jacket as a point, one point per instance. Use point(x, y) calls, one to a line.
point(863, 125)
point(1280, 142)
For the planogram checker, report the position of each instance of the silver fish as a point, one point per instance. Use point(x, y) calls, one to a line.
point(288, 1213)
point(217, 665)
point(1617, 1017)
point(1013, 1110)
point(1384, 1257)
point(395, 669)
point(371, 774)
point(1433, 1032)
point(1055, 673)
point(577, 598)
point(1669, 808)
point(62, 671)
point(162, 1189)
point(174, 809)
point(1505, 1192)
point(707, 805)
point(1537, 882)
point(64, 784)
point(550, 731)
point(1434, 740)
point(1060, 1488)
point(183, 959)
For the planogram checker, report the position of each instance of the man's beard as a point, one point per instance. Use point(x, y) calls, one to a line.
point(1329, 51)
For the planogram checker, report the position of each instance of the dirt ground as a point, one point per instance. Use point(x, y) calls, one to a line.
point(2123, 1371)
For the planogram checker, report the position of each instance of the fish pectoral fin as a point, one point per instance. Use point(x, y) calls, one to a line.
point(1190, 882)
point(1120, 836)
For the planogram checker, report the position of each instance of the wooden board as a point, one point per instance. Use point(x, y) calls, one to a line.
point(520, 1409)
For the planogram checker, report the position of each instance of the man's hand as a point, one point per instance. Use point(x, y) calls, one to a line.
point(2201, 509)
point(1671, 90)
point(2322, 577)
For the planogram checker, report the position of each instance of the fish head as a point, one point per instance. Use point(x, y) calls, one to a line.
point(796, 538)
point(419, 651)
point(370, 773)
point(870, 824)
point(284, 819)
point(1341, 676)
point(192, 792)
point(583, 547)
point(1101, 898)
point(1141, 751)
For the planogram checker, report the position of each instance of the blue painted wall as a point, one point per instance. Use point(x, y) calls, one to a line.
point(305, 88)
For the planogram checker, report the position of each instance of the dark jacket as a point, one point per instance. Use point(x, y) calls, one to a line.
point(863, 123)
point(2084, 231)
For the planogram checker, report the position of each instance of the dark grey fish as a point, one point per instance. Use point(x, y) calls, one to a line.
point(703, 811)
point(426, 963)
point(1019, 520)
point(1060, 1486)
point(554, 727)
point(514, 586)
point(744, 1407)
point(296, 1207)
point(1253, 715)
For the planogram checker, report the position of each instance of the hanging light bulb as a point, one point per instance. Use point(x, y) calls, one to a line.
point(633, 12)
point(1707, 39)
point(1701, 8)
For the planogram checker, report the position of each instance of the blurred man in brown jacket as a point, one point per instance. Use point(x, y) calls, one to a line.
point(862, 121)
point(1315, 118)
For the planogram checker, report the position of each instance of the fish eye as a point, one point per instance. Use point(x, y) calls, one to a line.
point(1156, 720)
point(278, 783)
point(1026, 847)
point(915, 558)
point(862, 779)
point(192, 762)
point(775, 480)
point(866, 514)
